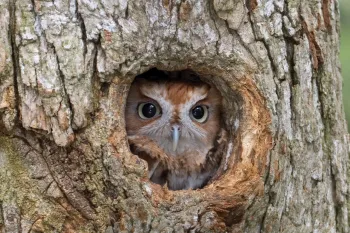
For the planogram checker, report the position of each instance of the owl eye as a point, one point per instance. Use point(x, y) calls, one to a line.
point(148, 110)
point(199, 113)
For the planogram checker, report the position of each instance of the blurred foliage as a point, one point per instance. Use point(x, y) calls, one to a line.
point(345, 54)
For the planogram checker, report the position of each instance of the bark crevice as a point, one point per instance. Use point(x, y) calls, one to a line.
point(14, 56)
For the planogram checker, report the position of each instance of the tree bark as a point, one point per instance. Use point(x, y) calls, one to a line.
point(65, 71)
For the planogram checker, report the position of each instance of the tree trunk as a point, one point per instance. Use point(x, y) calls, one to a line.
point(65, 70)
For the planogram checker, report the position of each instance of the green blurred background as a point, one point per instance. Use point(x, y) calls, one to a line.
point(345, 54)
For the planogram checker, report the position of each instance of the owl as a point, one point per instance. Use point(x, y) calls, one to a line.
point(173, 121)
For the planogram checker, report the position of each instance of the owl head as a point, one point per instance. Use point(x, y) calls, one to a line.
point(180, 115)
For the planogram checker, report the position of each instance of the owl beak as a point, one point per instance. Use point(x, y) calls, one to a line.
point(175, 133)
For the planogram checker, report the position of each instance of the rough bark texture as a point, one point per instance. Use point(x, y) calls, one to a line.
point(65, 70)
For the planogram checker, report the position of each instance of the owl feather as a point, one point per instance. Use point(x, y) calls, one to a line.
point(174, 124)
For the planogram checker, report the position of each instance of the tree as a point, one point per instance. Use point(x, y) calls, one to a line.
point(65, 70)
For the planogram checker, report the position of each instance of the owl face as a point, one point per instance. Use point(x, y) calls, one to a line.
point(181, 116)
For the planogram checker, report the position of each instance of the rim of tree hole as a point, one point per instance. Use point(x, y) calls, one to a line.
point(244, 147)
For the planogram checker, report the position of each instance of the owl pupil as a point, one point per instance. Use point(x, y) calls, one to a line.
point(198, 112)
point(149, 110)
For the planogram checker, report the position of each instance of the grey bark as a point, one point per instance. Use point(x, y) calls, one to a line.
point(65, 70)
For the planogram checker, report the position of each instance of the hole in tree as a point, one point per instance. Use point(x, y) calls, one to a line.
point(236, 164)
point(177, 122)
